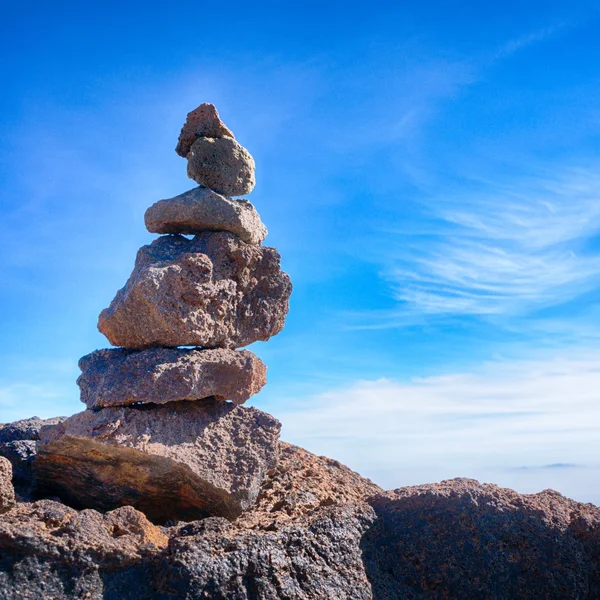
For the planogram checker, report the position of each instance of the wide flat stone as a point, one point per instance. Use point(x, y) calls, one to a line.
point(119, 377)
point(203, 121)
point(214, 291)
point(202, 209)
point(222, 165)
point(183, 460)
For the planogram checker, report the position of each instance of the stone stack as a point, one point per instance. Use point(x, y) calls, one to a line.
point(158, 433)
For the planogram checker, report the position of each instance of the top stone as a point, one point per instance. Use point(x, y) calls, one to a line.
point(215, 159)
point(204, 121)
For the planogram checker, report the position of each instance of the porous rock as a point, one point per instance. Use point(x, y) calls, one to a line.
point(456, 539)
point(211, 291)
point(118, 377)
point(222, 165)
point(181, 460)
point(50, 551)
point(203, 121)
point(302, 483)
point(463, 539)
point(202, 209)
point(18, 444)
point(7, 491)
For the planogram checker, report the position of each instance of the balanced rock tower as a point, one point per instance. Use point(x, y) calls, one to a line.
point(158, 432)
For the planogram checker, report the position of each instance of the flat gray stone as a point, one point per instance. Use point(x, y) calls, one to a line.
point(214, 291)
point(202, 209)
point(119, 377)
point(203, 121)
point(182, 460)
point(222, 165)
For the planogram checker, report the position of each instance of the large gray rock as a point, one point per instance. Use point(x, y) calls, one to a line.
point(201, 209)
point(203, 121)
point(212, 291)
point(182, 460)
point(51, 551)
point(221, 164)
point(18, 444)
point(7, 491)
point(118, 377)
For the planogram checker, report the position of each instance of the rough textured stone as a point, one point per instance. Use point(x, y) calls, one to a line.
point(456, 539)
point(18, 444)
point(221, 164)
point(201, 210)
point(212, 291)
point(50, 551)
point(317, 556)
point(302, 483)
point(119, 377)
point(461, 539)
point(7, 491)
point(203, 121)
point(182, 460)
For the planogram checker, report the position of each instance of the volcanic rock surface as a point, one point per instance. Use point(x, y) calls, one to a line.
point(455, 540)
point(181, 460)
point(18, 444)
point(201, 209)
point(212, 291)
point(7, 491)
point(203, 121)
point(119, 377)
point(222, 165)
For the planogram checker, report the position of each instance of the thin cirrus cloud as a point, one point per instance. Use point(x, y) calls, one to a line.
point(487, 423)
point(507, 250)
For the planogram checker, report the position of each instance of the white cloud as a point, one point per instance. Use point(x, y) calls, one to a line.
point(509, 249)
point(485, 423)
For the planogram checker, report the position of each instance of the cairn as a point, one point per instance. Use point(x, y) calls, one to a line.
point(158, 432)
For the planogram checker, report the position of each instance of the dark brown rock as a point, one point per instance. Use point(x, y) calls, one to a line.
point(201, 210)
point(463, 539)
point(222, 165)
point(119, 377)
point(18, 444)
point(203, 121)
point(212, 291)
point(182, 460)
point(7, 491)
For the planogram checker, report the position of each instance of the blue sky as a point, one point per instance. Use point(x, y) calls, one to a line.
point(429, 174)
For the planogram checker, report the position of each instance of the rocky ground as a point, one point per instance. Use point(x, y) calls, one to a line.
point(317, 530)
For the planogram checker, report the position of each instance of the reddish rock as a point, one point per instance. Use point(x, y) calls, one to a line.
point(200, 210)
point(212, 291)
point(119, 377)
point(463, 539)
point(182, 460)
point(300, 484)
point(222, 165)
point(203, 121)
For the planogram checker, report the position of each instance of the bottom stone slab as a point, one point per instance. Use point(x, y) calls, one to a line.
point(118, 377)
point(183, 460)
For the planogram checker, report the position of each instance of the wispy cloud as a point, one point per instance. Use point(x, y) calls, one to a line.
point(507, 249)
point(526, 40)
point(485, 423)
